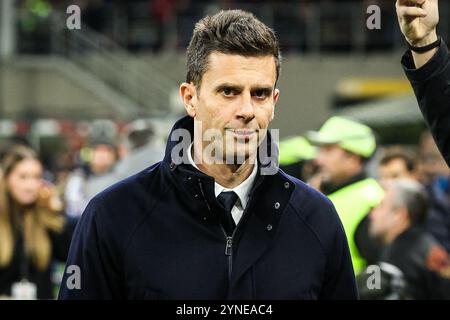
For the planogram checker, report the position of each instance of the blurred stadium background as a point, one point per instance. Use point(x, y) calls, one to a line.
point(66, 92)
point(126, 62)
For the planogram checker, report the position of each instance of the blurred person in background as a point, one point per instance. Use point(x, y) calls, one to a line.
point(345, 146)
point(33, 230)
point(297, 157)
point(398, 222)
point(429, 169)
point(141, 150)
point(396, 163)
point(430, 163)
point(434, 174)
point(81, 185)
point(427, 66)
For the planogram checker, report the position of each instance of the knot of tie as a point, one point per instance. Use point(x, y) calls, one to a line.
point(228, 199)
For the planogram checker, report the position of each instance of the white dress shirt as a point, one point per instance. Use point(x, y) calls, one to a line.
point(242, 190)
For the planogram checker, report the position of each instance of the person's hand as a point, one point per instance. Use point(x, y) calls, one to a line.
point(418, 20)
point(48, 197)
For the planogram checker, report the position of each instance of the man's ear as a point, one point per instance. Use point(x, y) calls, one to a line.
point(276, 95)
point(188, 93)
point(402, 215)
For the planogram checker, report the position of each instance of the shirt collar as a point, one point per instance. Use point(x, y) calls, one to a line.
point(242, 190)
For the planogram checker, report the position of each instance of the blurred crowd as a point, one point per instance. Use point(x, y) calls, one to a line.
point(393, 201)
point(158, 25)
point(39, 209)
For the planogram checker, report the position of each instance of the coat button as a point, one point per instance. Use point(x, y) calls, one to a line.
point(189, 178)
point(269, 227)
point(286, 185)
point(196, 196)
point(277, 205)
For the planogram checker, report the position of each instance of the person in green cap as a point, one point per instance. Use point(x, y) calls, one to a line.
point(345, 146)
point(296, 157)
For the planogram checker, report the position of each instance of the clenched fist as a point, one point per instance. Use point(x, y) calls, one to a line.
point(418, 20)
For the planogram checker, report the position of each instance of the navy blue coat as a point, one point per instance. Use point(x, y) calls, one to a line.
point(155, 235)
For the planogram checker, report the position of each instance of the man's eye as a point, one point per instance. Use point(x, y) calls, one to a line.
point(227, 91)
point(260, 93)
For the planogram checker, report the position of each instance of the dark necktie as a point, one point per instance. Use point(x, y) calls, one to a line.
point(227, 199)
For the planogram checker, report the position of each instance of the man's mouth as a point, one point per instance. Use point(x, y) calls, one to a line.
point(242, 133)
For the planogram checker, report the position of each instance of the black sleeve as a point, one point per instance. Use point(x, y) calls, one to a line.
point(91, 255)
point(369, 248)
point(431, 84)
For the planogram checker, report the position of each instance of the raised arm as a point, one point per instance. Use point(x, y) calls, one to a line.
point(418, 20)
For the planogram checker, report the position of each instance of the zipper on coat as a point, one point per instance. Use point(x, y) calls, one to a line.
point(229, 243)
point(228, 239)
point(229, 254)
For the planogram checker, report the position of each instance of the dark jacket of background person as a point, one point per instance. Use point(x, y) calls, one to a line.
point(431, 84)
point(417, 254)
point(413, 266)
point(438, 217)
point(21, 266)
point(156, 235)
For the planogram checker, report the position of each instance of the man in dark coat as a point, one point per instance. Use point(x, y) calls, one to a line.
point(399, 223)
point(427, 66)
point(215, 219)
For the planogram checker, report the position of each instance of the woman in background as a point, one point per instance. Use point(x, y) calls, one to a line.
point(32, 227)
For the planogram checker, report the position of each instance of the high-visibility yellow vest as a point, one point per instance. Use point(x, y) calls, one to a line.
point(353, 203)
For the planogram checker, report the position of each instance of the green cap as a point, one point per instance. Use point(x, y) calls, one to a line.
point(295, 149)
point(352, 136)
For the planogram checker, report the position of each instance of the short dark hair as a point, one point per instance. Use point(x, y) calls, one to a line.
point(230, 32)
point(398, 153)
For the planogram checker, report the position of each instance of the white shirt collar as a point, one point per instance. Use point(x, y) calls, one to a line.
point(242, 190)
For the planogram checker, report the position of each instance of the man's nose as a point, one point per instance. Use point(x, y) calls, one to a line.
point(246, 109)
point(319, 160)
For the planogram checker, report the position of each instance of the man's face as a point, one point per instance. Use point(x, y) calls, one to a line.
point(382, 217)
point(237, 98)
point(103, 158)
point(394, 169)
point(334, 163)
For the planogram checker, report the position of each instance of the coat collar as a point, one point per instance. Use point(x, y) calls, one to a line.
point(269, 197)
